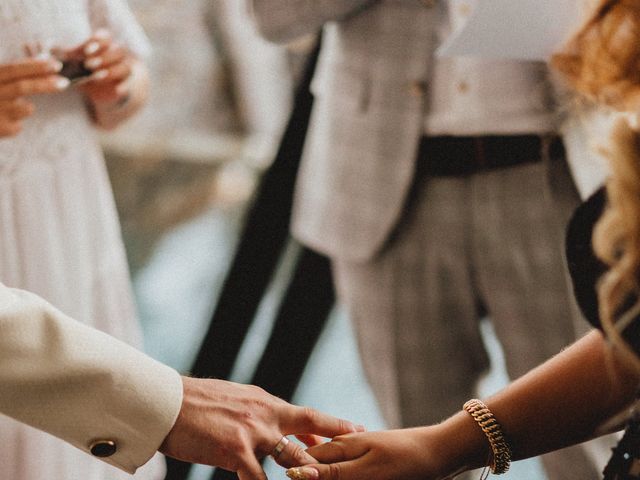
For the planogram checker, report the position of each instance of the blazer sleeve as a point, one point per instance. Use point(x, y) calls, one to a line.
point(285, 20)
point(82, 385)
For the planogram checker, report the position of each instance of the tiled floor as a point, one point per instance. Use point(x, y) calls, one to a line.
point(176, 292)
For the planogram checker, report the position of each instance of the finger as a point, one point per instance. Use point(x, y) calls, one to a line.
point(339, 450)
point(298, 420)
point(98, 43)
point(10, 129)
point(115, 74)
point(114, 54)
point(29, 68)
point(310, 440)
point(293, 456)
point(251, 469)
point(333, 471)
point(33, 86)
point(16, 110)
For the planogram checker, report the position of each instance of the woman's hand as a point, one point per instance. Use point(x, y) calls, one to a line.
point(231, 426)
point(411, 454)
point(118, 84)
point(20, 80)
point(111, 65)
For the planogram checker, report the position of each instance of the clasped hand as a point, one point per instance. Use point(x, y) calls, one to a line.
point(232, 426)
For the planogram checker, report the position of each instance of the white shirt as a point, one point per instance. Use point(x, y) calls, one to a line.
point(471, 96)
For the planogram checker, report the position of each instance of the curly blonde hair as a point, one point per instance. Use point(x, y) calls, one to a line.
point(602, 62)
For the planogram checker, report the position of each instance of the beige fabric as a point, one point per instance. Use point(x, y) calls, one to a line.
point(367, 118)
point(371, 89)
point(467, 95)
point(80, 384)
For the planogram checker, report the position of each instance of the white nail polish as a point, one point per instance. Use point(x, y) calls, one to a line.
point(91, 48)
point(43, 56)
point(100, 75)
point(62, 83)
point(93, 63)
point(56, 65)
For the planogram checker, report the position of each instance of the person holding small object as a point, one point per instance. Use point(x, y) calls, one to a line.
point(59, 231)
point(586, 390)
point(113, 80)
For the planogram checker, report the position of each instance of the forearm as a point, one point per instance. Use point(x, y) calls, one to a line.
point(560, 403)
point(109, 115)
point(285, 20)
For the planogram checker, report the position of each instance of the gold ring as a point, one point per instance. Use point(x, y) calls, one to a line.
point(284, 441)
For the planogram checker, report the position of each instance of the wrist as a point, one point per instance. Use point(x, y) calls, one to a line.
point(460, 445)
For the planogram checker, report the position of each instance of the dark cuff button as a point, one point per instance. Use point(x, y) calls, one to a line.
point(103, 448)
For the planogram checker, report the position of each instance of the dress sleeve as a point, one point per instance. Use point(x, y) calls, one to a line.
point(117, 17)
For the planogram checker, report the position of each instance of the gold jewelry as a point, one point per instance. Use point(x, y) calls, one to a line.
point(284, 441)
point(501, 458)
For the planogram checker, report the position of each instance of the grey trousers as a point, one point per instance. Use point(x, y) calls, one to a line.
point(490, 243)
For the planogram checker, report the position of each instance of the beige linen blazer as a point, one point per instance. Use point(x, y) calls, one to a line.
point(370, 92)
point(82, 385)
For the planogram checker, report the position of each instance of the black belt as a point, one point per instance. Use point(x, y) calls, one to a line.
point(459, 156)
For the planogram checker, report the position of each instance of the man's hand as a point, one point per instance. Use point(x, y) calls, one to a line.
point(20, 80)
point(231, 426)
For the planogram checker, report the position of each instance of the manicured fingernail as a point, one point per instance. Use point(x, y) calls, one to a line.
point(303, 473)
point(91, 48)
point(102, 33)
point(361, 428)
point(55, 65)
point(43, 56)
point(62, 83)
point(100, 75)
point(122, 89)
point(93, 63)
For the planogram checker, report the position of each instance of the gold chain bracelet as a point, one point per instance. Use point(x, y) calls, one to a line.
point(501, 453)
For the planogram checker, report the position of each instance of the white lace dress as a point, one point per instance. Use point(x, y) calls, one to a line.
point(59, 232)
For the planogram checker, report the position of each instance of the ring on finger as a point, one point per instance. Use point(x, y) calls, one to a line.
point(284, 441)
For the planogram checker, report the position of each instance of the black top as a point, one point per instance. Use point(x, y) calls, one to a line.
point(585, 268)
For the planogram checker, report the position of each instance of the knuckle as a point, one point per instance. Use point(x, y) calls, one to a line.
point(296, 452)
point(21, 88)
point(335, 471)
point(344, 425)
point(256, 390)
point(310, 415)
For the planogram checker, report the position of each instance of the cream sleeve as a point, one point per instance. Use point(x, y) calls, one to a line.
point(81, 385)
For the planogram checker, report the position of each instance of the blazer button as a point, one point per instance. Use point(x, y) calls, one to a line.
point(103, 448)
point(418, 88)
